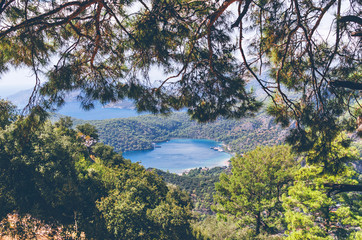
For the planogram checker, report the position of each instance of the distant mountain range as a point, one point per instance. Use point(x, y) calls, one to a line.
point(72, 108)
point(21, 98)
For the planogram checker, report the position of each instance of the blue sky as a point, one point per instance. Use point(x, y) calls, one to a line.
point(14, 81)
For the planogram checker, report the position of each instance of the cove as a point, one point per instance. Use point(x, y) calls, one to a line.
point(178, 155)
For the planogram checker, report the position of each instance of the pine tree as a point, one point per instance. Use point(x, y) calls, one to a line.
point(252, 192)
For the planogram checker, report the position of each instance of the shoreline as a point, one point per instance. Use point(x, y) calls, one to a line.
point(225, 163)
point(226, 148)
point(218, 159)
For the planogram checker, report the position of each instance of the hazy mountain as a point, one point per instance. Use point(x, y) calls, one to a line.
point(20, 98)
point(72, 108)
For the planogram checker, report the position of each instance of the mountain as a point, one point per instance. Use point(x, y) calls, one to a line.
point(21, 98)
point(72, 108)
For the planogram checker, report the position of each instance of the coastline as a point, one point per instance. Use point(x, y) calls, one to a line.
point(175, 157)
point(224, 163)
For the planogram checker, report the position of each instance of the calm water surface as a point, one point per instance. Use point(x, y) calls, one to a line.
point(73, 109)
point(178, 155)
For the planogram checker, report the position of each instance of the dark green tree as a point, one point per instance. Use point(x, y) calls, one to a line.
point(7, 113)
point(38, 175)
point(252, 192)
point(107, 154)
point(47, 171)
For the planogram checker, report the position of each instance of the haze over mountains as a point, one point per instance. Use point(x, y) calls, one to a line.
point(120, 109)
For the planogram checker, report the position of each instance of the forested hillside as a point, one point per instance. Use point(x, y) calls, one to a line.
point(88, 190)
point(140, 132)
point(199, 183)
point(257, 197)
point(60, 177)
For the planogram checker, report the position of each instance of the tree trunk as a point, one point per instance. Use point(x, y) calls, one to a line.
point(258, 222)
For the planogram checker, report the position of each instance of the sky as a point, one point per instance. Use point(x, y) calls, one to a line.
point(15, 80)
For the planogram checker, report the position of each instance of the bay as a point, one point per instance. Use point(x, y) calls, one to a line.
point(179, 155)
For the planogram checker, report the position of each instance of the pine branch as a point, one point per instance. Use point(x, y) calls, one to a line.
point(351, 18)
point(346, 84)
point(339, 188)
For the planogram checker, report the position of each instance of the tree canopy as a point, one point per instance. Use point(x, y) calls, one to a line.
point(312, 213)
point(269, 192)
point(252, 192)
point(304, 55)
point(49, 172)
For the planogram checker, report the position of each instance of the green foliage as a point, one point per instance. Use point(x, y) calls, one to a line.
point(139, 133)
point(315, 208)
point(218, 229)
point(312, 214)
point(358, 146)
point(51, 175)
point(88, 130)
point(333, 157)
point(198, 183)
point(107, 155)
point(252, 192)
point(214, 228)
point(99, 43)
point(107, 49)
point(138, 204)
point(328, 149)
point(37, 171)
point(7, 113)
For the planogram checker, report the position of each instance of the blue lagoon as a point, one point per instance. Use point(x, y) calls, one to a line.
point(178, 155)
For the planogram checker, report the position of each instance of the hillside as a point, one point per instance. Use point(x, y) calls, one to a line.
point(138, 133)
point(199, 183)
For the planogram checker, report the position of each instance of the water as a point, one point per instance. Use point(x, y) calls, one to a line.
point(73, 109)
point(178, 155)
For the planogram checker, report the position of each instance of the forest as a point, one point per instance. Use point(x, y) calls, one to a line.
point(139, 133)
point(80, 188)
point(61, 182)
point(59, 167)
point(199, 184)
